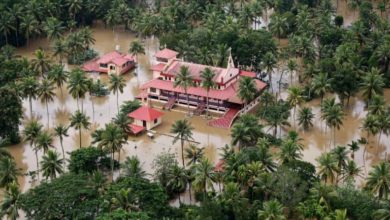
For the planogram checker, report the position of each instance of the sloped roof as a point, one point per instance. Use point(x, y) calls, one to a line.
point(145, 113)
point(166, 54)
point(136, 129)
point(158, 67)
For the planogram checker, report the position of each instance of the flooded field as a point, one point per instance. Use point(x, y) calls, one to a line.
point(316, 141)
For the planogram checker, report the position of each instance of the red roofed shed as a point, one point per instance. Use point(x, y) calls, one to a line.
point(146, 117)
point(165, 55)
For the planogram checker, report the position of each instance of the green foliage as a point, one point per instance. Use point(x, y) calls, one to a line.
point(87, 160)
point(11, 114)
point(67, 197)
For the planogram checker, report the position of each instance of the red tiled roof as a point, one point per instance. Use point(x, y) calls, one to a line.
point(194, 69)
point(225, 94)
point(129, 57)
point(166, 54)
point(136, 128)
point(119, 61)
point(93, 66)
point(248, 74)
point(112, 57)
point(106, 58)
point(158, 67)
point(145, 113)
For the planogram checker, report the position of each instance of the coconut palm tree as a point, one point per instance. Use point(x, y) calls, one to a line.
point(184, 80)
point(269, 63)
point(353, 147)
point(131, 167)
point(29, 89)
point(74, 7)
point(46, 94)
point(78, 84)
point(117, 84)
point(341, 155)
point(208, 83)
point(112, 140)
point(321, 85)
point(136, 48)
point(61, 131)
point(41, 62)
point(371, 124)
point(334, 116)
point(30, 26)
point(79, 121)
point(177, 180)
point(378, 180)
point(53, 28)
point(44, 141)
point(52, 165)
point(265, 158)
point(10, 204)
point(183, 132)
point(58, 75)
point(31, 132)
point(377, 105)
point(292, 66)
point(125, 199)
point(272, 210)
point(204, 176)
point(247, 89)
point(290, 150)
point(278, 25)
point(327, 167)
point(193, 154)
point(382, 214)
point(372, 84)
point(294, 98)
point(7, 24)
point(340, 214)
point(9, 172)
point(59, 49)
point(87, 38)
point(305, 118)
point(351, 171)
point(246, 131)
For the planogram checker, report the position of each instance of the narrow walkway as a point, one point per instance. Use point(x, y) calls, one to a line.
point(169, 105)
point(226, 120)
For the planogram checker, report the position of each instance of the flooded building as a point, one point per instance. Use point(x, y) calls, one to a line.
point(144, 118)
point(111, 63)
point(222, 98)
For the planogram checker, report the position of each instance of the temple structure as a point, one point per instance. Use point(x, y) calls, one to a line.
point(111, 63)
point(221, 99)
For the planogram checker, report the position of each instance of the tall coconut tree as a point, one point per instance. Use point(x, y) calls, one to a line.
point(136, 48)
point(29, 89)
point(132, 167)
point(58, 75)
point(184, 80)
point(10, 204)
point(182, 130)
point(340, 153)
point(30, 26)
point(112, 140)
point(7, 24)
point(294, 98)
point(305, 118)
point(46, 94)
point(351, 171)
point(78, 85)
point(278, 25)
point(31, 132)
point(290, 151)
point(327, 167)
point(269, 63)
point(204, 176)
point(353, 147)
point(52, 165)
point(117, 84)
point(74, 7)
point(41, 62)
point(334, 116)
point(378, 180)
point(247, 89)
point(44, 141)
point(272, 210)
point(372, 84)
point(208, 83)
point(79, 121)
point(292, 67)
point(61, 131)
point(193, 154)
point(59, 49)
point(53, 28)
point(321, 85)
point(9, 172)
point(177, 180)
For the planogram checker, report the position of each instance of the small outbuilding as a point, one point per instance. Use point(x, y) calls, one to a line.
point(146, 118)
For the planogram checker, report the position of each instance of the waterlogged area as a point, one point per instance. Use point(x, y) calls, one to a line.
point(316, 140)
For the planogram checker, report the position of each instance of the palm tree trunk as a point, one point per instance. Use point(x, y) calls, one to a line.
point(117, 101)
point(294, 115)
point(93, 109)
point(182, 152)
point(378, 142)
point(80, 136)
point(30, 101)
point(48, 117)
point(36, 157)
point(62, 147)
point(188, 103)
point(179, 199)
point(190, 192)
point(78, 106)
point(112, 165)
point(334, 136)
point(207, 114)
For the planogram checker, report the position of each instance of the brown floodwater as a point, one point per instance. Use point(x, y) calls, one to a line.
point(316, 140)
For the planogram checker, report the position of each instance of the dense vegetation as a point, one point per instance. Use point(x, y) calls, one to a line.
point(262, 174)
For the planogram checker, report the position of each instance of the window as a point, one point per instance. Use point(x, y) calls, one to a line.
point(155, 121)
point(112, 67)
point(103, 65)
point(153, 90)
